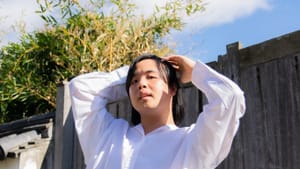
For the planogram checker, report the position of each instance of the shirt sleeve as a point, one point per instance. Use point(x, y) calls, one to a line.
point(90, 94)
point(217, 125)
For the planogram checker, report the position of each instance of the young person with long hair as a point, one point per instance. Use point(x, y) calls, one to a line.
point(155, 141)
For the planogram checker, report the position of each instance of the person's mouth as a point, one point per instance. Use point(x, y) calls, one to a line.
point(144, 96)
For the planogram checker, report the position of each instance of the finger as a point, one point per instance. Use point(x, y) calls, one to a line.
point(174, 64)
point(174, 58)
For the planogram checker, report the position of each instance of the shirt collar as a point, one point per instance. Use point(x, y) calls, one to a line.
point(167, 127)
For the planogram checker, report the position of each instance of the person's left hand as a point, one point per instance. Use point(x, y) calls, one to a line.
point(183, 65)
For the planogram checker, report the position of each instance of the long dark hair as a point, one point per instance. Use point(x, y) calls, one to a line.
point(169, 76)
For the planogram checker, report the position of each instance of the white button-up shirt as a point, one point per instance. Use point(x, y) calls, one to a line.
point(109, 143)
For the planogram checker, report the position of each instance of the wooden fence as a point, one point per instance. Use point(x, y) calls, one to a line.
point(268, 137)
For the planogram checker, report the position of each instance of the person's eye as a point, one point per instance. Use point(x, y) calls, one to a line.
point(152, 77)
point(133, 81)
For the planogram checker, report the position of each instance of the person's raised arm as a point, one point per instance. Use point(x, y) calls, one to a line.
point(216, 126)
point(89, 95)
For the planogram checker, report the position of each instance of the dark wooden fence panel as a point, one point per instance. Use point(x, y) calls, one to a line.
point(268, 135)
point(191, 99)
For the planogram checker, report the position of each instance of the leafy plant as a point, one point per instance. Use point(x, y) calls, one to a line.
point(79, 40)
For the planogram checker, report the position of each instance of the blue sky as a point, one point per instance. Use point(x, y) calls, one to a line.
point(280, 18)
point(205, 35)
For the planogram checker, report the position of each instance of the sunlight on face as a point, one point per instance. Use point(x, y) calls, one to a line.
point(148, 91)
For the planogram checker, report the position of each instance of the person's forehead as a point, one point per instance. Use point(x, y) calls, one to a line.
point(147, 62)
point(146, 66)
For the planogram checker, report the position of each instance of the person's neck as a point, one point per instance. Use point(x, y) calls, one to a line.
point(151, 123)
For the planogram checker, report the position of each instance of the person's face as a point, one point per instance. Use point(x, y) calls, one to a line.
point(148, 92)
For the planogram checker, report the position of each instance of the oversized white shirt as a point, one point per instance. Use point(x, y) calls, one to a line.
point(109, 143)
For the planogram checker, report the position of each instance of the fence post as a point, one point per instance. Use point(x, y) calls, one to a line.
point(64, 130)
point(230, 65)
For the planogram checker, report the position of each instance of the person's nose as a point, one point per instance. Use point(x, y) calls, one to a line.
point(142, 83)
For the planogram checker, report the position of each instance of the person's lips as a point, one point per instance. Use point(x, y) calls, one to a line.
point(144, 95)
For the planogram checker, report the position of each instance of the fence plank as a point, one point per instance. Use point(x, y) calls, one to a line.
point(124, 109)
point(62, 99)
point(289, 111)
point(78, 159)
point(191, 98)
point(64, 133)
point(270, 90)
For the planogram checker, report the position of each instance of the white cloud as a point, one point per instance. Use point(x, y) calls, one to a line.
point(14, 12)
point(217, 12)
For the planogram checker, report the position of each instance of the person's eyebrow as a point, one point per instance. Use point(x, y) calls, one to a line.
point(145, 72)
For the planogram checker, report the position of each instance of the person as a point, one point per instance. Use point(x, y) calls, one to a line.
point(155, 142)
